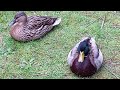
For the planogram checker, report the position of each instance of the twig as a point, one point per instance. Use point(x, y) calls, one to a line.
point(111, 72)
point(104, 18)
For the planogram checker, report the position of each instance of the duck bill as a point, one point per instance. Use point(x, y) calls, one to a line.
point(12, 22)
point(81, 57)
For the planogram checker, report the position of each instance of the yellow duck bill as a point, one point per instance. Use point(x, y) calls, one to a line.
point(81, 57)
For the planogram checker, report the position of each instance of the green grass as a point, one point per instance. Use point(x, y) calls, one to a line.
point(46, 58)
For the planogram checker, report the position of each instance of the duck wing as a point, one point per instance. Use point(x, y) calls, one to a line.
point(37, 26)
point(73, 54)
point(37, 21)
point(96, 56)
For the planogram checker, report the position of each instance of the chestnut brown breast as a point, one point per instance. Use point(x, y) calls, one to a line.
point(84, 68)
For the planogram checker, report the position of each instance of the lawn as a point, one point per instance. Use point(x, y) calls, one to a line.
point(46, 58)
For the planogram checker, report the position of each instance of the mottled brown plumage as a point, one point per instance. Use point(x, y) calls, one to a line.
point(25, 28)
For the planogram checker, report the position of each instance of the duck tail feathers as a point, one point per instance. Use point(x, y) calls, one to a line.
point(57, 22)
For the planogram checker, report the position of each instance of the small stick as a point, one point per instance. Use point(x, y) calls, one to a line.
point(104, 18)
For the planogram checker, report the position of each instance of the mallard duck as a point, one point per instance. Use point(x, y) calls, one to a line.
point(24, 28)
point(85, 58)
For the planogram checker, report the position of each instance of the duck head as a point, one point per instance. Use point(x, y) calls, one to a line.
point(20, 17)
point(83, 49)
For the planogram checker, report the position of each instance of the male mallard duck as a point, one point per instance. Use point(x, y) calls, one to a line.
point(85, 58)
point(25, 28)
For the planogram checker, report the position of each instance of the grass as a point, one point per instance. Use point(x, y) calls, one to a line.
point(46, 58)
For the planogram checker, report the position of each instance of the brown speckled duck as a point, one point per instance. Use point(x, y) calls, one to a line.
point(25, 28)
point(85, 58)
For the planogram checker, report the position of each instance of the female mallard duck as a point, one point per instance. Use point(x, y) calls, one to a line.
point(85, 58)
point(25, 28)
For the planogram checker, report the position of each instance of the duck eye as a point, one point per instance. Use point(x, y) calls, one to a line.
point(16, 17)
